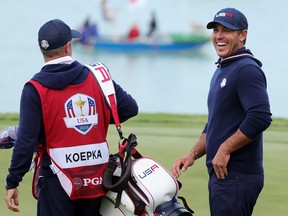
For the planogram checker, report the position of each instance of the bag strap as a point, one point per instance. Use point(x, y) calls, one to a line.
point(118, 186)
point(125, 163)
point(185, 204)
point(104, 79)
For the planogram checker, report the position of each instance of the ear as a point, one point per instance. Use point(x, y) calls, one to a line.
point(67, 47)
point(243, 35)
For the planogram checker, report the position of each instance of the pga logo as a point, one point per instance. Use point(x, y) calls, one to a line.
point(85, 182)
point(93, 181)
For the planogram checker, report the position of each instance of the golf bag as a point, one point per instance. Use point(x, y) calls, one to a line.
point(135, 187)
point(140, 186)
point(7, 137)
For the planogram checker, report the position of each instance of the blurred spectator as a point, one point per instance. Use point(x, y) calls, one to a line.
point(134, 32)
point(152, 25)
point(107, 13)
point(89, 33)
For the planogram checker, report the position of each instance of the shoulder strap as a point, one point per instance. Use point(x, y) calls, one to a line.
point(104, 79)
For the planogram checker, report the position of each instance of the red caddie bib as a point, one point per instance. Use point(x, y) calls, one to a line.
point(76, 121)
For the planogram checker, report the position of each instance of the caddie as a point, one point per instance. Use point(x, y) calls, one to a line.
point(64, 117)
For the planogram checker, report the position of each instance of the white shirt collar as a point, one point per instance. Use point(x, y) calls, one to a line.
point(62, 60)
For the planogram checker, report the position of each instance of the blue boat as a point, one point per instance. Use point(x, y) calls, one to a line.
point(169, 43)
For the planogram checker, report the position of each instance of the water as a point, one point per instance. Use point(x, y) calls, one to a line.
point(160, 83)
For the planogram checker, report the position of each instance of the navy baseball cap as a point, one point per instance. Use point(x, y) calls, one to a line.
point(54, 34)
point(230, 18)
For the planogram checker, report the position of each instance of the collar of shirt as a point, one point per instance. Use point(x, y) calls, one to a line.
point(62, 60)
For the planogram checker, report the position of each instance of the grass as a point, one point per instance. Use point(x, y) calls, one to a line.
point(165, 137)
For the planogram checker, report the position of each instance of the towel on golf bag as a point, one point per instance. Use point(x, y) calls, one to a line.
point(142, 185)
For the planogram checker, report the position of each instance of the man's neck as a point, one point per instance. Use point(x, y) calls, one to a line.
point(60, 60)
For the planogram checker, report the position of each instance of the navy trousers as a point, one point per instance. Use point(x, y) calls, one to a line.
point(236, 195)
point(53, 201)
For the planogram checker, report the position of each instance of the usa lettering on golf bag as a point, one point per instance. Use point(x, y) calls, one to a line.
point(148, 171)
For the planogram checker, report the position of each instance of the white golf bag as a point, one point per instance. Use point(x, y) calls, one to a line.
point(140, 186)
point(135, 187)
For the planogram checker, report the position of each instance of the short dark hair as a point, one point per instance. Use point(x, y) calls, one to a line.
point(52, 53)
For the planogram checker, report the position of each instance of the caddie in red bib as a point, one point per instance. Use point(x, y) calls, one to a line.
point(77, 146)
point(64, 117)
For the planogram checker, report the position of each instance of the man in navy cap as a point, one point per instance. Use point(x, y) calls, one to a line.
point(238, 114)
point(64, 116)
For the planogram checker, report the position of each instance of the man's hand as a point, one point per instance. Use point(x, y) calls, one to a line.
point(220, 162)
point(222, 157)
point(11, 199)
point(181, 164)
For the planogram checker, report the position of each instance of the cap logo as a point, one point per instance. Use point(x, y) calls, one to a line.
point(44, 44)
point(224, 15)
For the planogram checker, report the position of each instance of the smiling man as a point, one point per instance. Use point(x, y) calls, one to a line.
point(238, 114)
point(229, 31)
